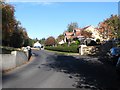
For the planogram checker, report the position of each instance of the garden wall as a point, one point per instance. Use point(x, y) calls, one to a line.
point(9, 61)
point(87, 50)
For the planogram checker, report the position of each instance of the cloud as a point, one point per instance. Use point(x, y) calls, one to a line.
point(44, 3)
point(22, 4)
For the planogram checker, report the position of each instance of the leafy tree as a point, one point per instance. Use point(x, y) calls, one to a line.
point(18, 29)
point(31, 42)
point(50, 41)
point(36, 40)
point(28, 42)
point(114, 25)
point(111, 27)
point(72, 26)
point(16, 39)
point(42, 41)
point(13, 34)
point(60, 37)
point(8, 22)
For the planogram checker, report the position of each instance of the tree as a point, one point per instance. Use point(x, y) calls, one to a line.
point(50, 41)
point(28, 42)
point(16, 39)
point(42, 41)
point(60, 37)
point(11, 27)
point(72, 26)
point(8, 22)
point(114, 25)
point(22, 34)
point(111, 27)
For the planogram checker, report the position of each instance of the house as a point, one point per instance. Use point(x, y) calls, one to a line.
point(68, 36)
point(95, 32)
point(75, 34)
point(78, 34)
point(61, 42)
point(37, 45)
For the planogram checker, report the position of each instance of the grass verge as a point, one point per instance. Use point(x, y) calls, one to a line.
point(63, 53)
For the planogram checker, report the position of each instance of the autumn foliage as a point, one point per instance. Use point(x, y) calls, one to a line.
point(50, 41)
point(13, 34)
point(110, 27)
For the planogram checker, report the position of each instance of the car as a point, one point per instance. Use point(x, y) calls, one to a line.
point(114, 54)
point(42, 47)
point(36, 46)
point(118, 66)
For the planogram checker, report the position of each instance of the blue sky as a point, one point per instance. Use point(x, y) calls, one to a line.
point(44, 19)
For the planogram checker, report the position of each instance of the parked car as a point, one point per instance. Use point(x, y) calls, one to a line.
point(114, 54)
point(42, 47)
point(36, 46)
point(118, 67)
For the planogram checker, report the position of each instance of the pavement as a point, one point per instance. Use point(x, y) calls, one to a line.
point(51, 70)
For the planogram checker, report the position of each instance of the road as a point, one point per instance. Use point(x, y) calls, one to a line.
point(51, 70)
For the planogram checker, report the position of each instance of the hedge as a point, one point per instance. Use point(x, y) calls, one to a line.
point(72, 49)
point(7, 50)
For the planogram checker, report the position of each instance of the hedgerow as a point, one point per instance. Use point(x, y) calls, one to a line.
point(72, 49)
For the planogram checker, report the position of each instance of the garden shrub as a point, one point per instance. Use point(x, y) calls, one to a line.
point(73, 44)
point(77, 42)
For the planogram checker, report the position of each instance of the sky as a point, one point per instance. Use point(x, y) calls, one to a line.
point(44, 19)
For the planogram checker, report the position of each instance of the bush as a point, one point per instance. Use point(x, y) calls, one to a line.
point(77, 42)
point(65, 44)
point(73, 44)
point(72, 49)
point(98, 40)
point(8, 50)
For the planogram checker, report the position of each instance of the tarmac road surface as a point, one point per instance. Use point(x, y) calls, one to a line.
point(50, 70)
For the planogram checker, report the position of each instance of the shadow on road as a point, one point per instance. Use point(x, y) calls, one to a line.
point(91, 73)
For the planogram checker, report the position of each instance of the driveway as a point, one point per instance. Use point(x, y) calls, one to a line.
point(50, 70)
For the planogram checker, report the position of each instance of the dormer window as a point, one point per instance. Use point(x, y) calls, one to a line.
point(74, 31)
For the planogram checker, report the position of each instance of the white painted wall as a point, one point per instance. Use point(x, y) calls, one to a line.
point(21, 57)
point(84, 50)
point(9, 61)
point(0, 63)
point(0, 72)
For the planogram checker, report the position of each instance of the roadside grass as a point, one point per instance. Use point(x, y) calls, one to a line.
point(63, 53)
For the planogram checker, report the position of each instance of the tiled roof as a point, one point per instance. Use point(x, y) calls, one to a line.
point(69, 33)
point(78, 33)
point(86, 27)
point(69, 37)
point(77, 29)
